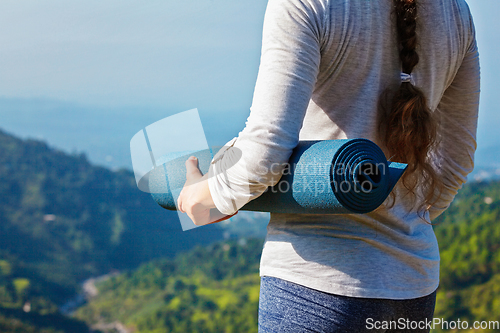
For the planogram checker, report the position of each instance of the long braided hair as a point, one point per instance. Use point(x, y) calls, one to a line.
point(407, 126)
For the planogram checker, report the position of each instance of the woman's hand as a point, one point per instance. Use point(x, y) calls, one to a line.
point(195, 199)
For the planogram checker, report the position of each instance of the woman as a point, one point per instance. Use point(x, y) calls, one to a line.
point(333, 69)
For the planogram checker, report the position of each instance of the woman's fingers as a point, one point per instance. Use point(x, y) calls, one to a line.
point(188, 193)
point(195, 199)
point(179, 204)
point(193, 173)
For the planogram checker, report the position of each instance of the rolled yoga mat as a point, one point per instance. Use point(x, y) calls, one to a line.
point(321, 177)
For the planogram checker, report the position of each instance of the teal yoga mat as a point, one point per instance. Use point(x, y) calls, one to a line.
point(321, 177)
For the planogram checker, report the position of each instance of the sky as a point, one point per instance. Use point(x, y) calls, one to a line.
point(156, 58)
point(168, 54)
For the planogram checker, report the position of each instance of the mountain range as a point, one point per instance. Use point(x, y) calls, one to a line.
point(64, 220)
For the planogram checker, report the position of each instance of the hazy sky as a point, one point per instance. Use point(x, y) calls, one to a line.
point(167, 54)
point(173, 54)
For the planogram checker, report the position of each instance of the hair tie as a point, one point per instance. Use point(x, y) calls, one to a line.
point(405, 77)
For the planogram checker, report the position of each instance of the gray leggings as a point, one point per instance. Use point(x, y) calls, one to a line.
point(288, 307)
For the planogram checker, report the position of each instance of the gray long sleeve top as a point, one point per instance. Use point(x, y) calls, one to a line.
point(324, 65)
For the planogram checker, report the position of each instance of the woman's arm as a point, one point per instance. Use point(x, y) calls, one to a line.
point(291, 52)
point(287, 75)
point(457, 115)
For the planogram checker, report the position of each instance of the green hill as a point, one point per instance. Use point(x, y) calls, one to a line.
point(215, 289)
point(63, 220)
point(469, 238)
point(209, 289)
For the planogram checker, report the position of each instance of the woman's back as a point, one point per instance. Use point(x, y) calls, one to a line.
point(336, 58)
point(403, 73)
point(359, 60)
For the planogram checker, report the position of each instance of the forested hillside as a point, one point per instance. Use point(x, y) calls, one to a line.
point(210, 289)
point(63, 220)
point(215, 289)
point(469, 238)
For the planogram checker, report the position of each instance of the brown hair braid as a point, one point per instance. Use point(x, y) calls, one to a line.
point(408, 128)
